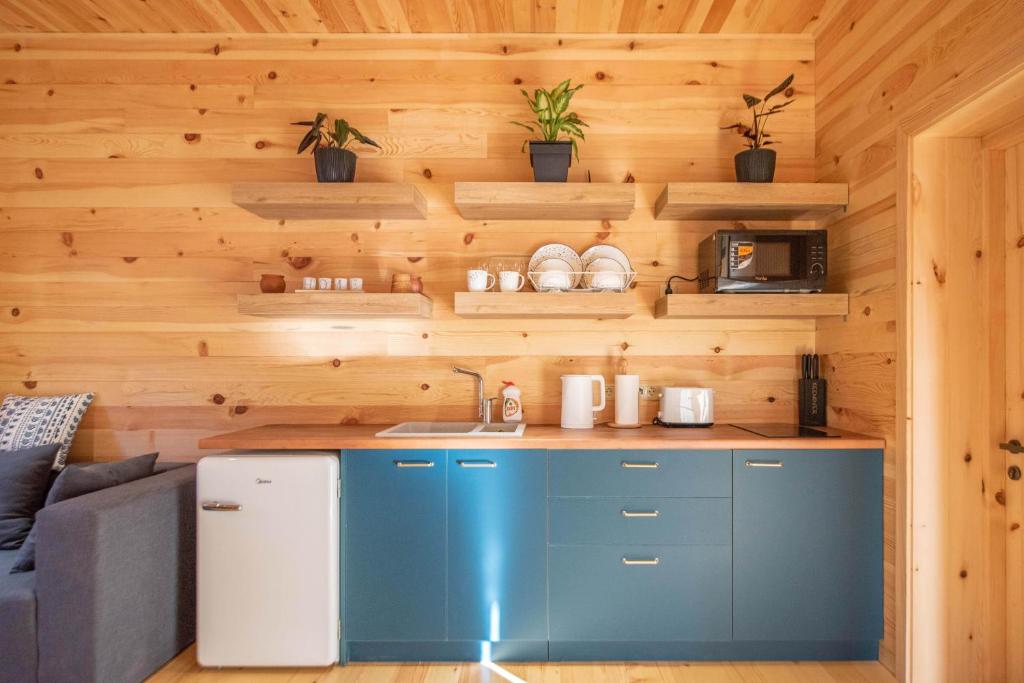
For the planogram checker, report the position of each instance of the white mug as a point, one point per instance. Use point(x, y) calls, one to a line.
point(511, 281)
point(325, 283)
point(309, 283)
point(356, 284)
point(554, 279)
point(607, 279)
point(341, 283)
point(479, 280)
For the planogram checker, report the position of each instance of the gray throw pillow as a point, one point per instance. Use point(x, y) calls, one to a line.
point(27, 421)
point(24, 475)
point(78, 480)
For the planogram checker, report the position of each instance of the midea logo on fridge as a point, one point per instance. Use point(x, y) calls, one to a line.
point(264, 481)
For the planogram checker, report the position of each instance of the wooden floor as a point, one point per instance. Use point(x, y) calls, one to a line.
point(184, 669)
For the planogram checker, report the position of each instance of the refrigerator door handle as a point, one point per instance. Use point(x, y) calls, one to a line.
point(222, 507)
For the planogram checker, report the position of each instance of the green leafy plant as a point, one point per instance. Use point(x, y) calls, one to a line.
point(553, 115)
point(339, 135)
point(755, 134)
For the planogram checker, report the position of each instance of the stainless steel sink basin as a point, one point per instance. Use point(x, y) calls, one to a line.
point(422, 429)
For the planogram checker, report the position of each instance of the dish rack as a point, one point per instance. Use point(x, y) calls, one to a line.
point(535, 275)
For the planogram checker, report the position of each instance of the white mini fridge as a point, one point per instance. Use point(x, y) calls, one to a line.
point(268, 557)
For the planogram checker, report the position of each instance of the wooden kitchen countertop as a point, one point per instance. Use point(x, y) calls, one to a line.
point(341, 437)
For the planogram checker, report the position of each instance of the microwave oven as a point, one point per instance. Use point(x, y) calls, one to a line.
point(763, 261)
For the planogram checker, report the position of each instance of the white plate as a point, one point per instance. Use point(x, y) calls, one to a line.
point(559, 251)
point(602, 251)
point(601, 265)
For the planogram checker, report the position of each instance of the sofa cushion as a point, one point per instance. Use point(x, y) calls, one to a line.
point(23, 478)
point(77, 480)
point(18, 650)
point(27, 421)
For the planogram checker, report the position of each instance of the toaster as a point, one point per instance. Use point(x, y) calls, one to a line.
point(686, 407)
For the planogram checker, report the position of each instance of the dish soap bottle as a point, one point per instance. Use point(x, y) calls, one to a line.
point(511, 403)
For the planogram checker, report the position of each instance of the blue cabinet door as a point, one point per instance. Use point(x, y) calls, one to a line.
point(497, 545)
point(807, 559)
point(394, 550)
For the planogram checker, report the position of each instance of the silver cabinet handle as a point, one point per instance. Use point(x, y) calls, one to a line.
point(638, 561)
point(764, 463)
point(640, 513)
point(414, 463)
point(626, 464)
point(222, 507)
point(476, 463)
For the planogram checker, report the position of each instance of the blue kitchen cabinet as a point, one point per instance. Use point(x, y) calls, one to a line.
point(807, 553)
point(497, 545)
point(394, 545)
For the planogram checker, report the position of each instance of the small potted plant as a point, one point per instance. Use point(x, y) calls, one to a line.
point(550, 156)
point(756, 164)
point(335, 163)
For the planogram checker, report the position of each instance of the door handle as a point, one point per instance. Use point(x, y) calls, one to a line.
point(764, 463)
point(638, 561)
point(476, 463)
point(414, 463)
point(1013, 446)
point(639, 465)
point(222, 507)
point(640, 513)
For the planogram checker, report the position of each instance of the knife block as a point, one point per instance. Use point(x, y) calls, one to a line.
point(812, 401)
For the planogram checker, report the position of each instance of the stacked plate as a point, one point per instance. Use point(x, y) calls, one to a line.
point(557, 267)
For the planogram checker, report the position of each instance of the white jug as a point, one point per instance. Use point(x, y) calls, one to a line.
point(578, 400)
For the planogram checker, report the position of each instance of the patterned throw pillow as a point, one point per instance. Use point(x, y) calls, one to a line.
point(27, 421)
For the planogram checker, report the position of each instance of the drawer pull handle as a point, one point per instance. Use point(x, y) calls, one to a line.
point(641, 562)
point(764, 463)
point(414, 463)
point(640, 513)
point(476, 463)
point(222, 507)
point(639, 465)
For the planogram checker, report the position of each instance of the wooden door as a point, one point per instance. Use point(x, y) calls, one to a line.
point(1013, 372)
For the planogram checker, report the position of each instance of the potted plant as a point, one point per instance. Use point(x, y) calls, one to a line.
point(550, 156)
point(335, 163)
point(756, 164)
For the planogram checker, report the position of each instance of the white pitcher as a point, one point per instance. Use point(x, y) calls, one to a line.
point(578, 400)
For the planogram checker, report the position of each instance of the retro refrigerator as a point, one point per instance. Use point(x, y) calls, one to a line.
point(268, 560)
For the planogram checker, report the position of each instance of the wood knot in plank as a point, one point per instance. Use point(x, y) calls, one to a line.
point(939, 273)
point(202, 348)
point(299, 262)
point(30, 384)
point(336, 363)
point(1001, 497)
point(241, 410)
point(218, 399)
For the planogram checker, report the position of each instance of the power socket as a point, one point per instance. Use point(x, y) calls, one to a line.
point(648, 392)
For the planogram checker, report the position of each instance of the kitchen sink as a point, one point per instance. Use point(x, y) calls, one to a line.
point(421, 429)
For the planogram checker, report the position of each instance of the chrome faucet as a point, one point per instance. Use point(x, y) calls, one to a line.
point(483, 404)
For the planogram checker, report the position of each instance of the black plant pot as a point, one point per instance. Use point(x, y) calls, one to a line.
point(755, 165)
point(334, 165)
point(550, 161)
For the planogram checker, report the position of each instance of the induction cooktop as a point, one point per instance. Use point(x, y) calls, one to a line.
point(781, 430)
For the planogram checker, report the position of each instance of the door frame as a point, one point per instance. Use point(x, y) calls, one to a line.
point(945, 114)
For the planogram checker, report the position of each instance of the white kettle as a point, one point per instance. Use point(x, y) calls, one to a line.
point(578, 400)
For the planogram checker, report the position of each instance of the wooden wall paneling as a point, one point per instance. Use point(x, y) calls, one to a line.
point(122, 256)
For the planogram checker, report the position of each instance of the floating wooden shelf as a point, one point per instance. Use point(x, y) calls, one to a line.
point(750, 201)
point(751, 305)
point(299, 201)
point(545, 201)
point(335, 305)
point(592, 305)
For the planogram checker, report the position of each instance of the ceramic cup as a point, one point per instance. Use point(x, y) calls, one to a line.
point(607, 280)
point(510, 281)
point(271, 284)
point(356, 284)
point(309, 283)
point(479, 280)
point(325, 283)
point(341, 283)
point(554, 279)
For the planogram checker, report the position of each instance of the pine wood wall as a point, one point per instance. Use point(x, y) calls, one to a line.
point(121, 254)
point(878, 63)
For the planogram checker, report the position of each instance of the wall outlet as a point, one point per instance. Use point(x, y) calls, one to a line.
point(647, 392)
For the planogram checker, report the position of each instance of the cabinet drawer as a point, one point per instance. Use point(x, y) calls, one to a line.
point(641, 521)
point(669, 474)
point(663, 593)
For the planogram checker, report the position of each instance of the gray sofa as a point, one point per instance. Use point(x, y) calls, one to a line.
point(113, 594)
